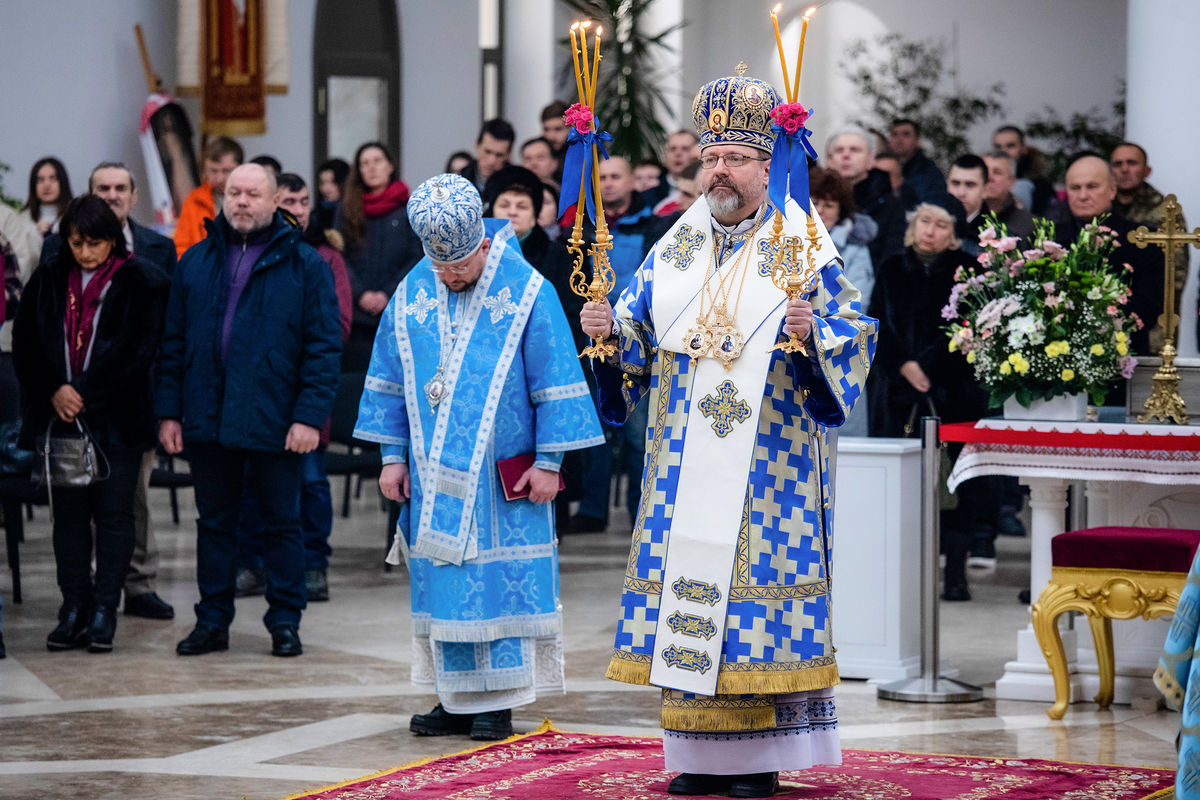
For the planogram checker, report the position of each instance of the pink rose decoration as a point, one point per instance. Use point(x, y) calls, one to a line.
point(986, 235)
point(1128, 364)
point(579, 117)
point(789, 116)
point(1048, 286)
point(1055, 250)
point(985, 258)
point(1112, 311)
point(1007, 243)
point(1033, 255)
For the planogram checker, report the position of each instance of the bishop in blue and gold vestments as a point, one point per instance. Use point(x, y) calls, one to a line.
point(473, 364)
point(726, 597)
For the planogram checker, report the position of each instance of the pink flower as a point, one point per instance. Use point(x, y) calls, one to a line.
point(789, 116)
point(1128, 364)
point(1048, 286)
point(986, 235)
point(1128, 266)
point(1112, 311)
point(985, 258)
point(579, 117)
point(1014, 270)
point(1053, 300)
point(949, 312)
point(959, 273)
point(1055, 250)
point(1033, 255)
point(1105, 229)
point(1007, 243)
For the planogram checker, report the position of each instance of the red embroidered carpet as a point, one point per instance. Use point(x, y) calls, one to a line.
point(549, 764)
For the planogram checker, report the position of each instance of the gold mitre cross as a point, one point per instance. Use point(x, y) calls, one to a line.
point(1164, 402)
point(741, 68)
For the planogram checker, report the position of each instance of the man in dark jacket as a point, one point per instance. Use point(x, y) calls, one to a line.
point(246, 377)
point(920, 173)
point(1091, 190)
point(113, 182)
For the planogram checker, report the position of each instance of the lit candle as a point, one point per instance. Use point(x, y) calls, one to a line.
point(587, 74)
point(779, 44)
point(575, 58)
point(800, 55)
point(595, 76)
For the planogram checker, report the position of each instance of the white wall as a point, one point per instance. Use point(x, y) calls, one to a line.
point(1067, 54)
point(73, 84)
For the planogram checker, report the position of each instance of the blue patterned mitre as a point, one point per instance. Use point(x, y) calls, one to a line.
point(446, 212)
point(735, 110)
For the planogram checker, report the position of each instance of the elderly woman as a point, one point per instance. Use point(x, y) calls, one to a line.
point(914, 372)
point(84, 339)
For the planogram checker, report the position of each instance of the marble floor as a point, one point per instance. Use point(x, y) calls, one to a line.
point(143, 723)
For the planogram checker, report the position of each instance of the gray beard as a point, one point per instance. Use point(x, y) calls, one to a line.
point(726, 204)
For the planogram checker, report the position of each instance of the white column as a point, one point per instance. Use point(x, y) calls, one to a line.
point(532, 59)
point(1162, 106)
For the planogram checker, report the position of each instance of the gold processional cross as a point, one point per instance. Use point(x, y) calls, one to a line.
point(1164, 403)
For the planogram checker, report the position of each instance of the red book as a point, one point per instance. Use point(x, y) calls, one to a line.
point(511, 470)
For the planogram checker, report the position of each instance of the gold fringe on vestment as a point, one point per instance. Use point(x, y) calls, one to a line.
point(720, 713)
point(771, 678)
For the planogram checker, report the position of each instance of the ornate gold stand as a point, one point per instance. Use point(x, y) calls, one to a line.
point(1164, 403)
point(790, 274)
point(1104, 595)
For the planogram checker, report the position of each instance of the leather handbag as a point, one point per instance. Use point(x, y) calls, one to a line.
point(69, 460)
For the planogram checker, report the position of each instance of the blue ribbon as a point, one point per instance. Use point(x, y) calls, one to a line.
point(577, 166)
point(789, 167)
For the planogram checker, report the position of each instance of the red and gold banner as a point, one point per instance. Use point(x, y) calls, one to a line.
point(232, 53)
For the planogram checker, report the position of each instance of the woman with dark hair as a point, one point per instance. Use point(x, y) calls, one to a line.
point(458, 161)
point(380, 245)
point(49, 193)
point(331, 184)
point(850, 231)
point(84, 339)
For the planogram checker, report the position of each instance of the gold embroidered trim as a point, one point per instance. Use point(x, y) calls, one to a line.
point(739, 678)
point(648, 478)
point(799, 591)
point(719, 713)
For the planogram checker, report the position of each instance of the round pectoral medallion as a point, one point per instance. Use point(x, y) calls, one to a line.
point(696, 343)
point(728, 342)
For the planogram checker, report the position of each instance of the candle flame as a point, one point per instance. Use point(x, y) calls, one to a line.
point(808, 14)
point(585, 24)
point(775, 10)
point(574, 25)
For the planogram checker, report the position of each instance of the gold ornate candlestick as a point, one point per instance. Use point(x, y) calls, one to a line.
point(595, 288)
point(1164, 403)
point(793, 276)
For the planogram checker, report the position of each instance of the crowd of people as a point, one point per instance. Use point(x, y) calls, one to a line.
point(227, 344)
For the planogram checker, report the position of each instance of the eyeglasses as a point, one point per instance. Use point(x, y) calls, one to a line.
point(460, 269)
point(732, 160)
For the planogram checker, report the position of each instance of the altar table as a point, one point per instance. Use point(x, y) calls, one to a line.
point(1134, 475)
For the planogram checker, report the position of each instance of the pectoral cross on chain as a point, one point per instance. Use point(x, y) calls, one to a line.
point(1164, 402)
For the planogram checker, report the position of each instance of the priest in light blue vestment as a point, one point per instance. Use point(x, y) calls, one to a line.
point(474, 364)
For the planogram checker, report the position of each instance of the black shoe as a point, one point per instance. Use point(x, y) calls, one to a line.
point(956, 594)
point(1023, 596)
point(3, 654)
point(250, 583)
point(317, 585)
point(760, 784)
point(285, 642)
point(699, 783)
point(149, 606)
point(102, 630)
point(72, 630)
point(492, 726)
point(983, 553)
point(582, 523)
point(204, 639)
point(440, 722)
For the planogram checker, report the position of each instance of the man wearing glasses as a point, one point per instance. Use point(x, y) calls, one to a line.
point(475, 393)
point(725, 603)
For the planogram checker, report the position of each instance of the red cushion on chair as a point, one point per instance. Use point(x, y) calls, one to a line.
point(1116, 547)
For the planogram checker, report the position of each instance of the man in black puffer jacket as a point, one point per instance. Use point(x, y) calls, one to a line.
point(246, 376)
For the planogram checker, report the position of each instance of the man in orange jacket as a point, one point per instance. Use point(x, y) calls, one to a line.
point(221, 156)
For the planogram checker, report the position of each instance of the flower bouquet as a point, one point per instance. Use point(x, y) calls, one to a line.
point(1046, 321)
